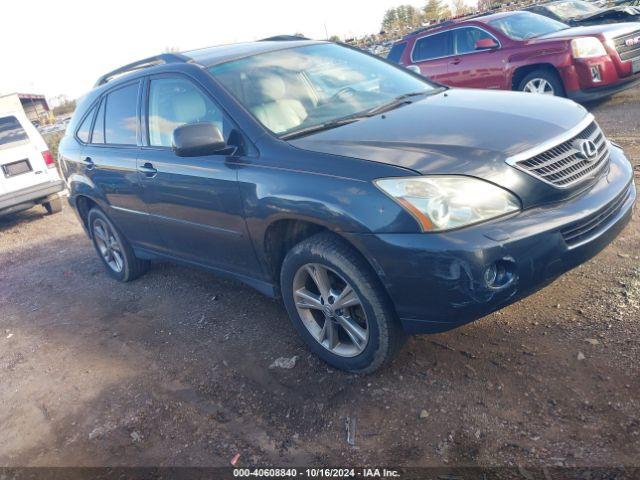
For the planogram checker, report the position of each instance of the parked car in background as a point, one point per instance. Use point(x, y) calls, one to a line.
point(28, 173)
point(373, 202)
point(527, 52)
point(579, 13)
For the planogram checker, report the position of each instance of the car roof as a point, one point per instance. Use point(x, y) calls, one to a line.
point(456, 22)
point(218, 54)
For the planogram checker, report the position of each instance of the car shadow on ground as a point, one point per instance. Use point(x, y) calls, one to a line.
point(174, 369)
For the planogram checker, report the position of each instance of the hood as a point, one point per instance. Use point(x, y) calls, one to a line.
point(610, 30)
point(610, 14)
point(460, 131)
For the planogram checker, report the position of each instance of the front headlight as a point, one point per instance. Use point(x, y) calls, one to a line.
point(442, 202)
point(587, 47)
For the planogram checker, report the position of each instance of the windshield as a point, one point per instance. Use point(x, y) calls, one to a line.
point(299, 88)
point(11, 131)
point(572, 9)
point(524, 25)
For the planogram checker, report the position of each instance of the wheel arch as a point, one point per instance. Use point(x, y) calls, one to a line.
point(522, 71)
point(283, 234)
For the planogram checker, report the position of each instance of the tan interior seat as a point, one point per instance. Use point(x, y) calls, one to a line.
point(277, 112)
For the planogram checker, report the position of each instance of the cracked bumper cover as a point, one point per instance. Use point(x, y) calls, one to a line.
point(436, 281)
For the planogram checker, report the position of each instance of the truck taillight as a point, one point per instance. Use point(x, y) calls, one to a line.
point(48, 159)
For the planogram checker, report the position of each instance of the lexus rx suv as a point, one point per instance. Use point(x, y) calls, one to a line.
point(371, 201)
point(527, 52)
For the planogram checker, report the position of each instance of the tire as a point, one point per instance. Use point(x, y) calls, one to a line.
point(53, 206)
point(543, 76)
point(374, 314)
point(123, 266)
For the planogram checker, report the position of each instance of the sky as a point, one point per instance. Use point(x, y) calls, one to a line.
point(62, 47)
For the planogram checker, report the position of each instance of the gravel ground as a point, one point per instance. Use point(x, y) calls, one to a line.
point(173, 369)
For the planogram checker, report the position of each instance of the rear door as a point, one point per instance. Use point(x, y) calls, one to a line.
point(21, 162)
point(431, 54)
point(109, 160)
point(472, 68)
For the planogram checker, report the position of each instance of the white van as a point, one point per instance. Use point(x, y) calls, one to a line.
point(28, 173)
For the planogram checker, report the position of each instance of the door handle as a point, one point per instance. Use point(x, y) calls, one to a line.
point(88, 163)
point(147, 169)
point(456, 61)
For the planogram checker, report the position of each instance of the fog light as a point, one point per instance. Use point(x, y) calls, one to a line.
point(499, 274)
point(595, 74)
point(490, 274)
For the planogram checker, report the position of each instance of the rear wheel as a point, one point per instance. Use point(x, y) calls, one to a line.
point(113, 249)
point(543, 81)
point(338, 306)
point(53, 206)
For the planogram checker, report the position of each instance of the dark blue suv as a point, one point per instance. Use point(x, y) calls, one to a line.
point(373, 202)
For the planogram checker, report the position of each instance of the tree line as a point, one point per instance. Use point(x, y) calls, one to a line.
point(399, 20)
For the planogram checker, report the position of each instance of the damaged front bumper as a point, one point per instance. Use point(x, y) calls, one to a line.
point(440, 281)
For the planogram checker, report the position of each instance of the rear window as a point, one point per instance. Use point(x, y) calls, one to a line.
point(11, 131)
point(395, 54)
point(433, 46)
point(121, 121)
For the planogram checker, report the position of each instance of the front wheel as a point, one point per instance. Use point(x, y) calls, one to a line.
point(543, 81)
point(338, 306)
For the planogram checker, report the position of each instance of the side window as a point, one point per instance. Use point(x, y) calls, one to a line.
point(174, 102)
point(464, 39)
point(98, 127)
point(120, 120)
point(85, 127)
point(395, 54)
point(433, 46)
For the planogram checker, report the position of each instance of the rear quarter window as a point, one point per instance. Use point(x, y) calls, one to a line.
point(432, 46)
point(11, 131)
point(395, 54)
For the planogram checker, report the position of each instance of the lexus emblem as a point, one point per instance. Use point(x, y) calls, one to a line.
point(586, 149)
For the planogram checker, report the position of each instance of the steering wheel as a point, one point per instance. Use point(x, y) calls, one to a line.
point(345, 94)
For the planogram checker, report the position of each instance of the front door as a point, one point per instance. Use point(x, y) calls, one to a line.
point(475, 68)
point(194, 202)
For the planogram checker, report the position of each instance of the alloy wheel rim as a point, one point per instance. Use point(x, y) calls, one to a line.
point(108, 245)
point(331, 310)
point(539, 85)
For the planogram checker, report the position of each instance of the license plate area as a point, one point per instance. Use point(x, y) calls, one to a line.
point(635, 65)
point(14, 169)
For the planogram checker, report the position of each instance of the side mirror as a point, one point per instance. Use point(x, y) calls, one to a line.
point(198, 139)
point(486, 44)
point(414, 69)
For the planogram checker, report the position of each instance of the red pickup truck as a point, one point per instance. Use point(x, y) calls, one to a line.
point(528, 52)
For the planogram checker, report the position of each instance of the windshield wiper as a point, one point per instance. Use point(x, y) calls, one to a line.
point(320, 127)
point(396, 102)
point(399, 100)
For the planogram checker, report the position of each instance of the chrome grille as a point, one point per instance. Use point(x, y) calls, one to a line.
point(627, 47)
point(563, 165)
point(592, 225)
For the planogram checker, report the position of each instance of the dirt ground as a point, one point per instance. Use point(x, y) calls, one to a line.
point(173, 369)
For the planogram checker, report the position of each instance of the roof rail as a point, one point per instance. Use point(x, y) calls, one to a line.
point(140, 64)
point(283, 38)
point(443, 23)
